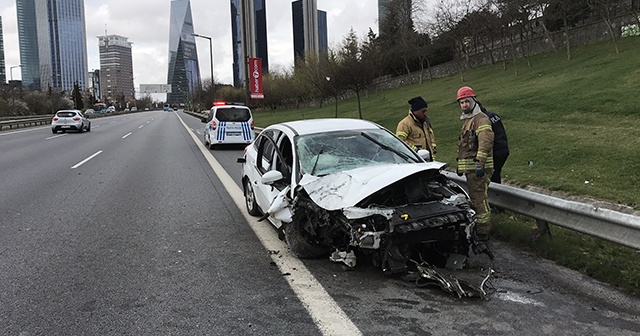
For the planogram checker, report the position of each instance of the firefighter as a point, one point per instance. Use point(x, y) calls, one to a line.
point(415, 129)
point(475, 157)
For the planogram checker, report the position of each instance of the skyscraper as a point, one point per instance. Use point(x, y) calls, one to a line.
point(62, 43)
point(309, 29)
point(116, 68)
point(249, 36)
point(184, 70)
point(28, 44)
point(3, 71)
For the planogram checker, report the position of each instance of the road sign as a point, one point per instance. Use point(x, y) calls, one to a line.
point(155, 88)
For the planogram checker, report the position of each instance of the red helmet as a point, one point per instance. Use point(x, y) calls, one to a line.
point(465, 92)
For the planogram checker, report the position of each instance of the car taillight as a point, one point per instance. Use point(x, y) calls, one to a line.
point(76, 118)
point(55, 118)
point(213, 125)
point(252, 124)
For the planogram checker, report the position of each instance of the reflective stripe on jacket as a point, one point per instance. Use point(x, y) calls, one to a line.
point(475, 148)
point(417, 135)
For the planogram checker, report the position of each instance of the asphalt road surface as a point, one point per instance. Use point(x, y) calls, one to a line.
point(135, 228)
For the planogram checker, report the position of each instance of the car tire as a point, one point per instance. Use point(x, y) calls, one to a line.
point(250, 199)
point(54, 131)
point(297, 239)
point(81, 129)
point(212, 146)
point(89, 128)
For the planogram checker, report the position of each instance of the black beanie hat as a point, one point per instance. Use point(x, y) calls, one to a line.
point(417, 103)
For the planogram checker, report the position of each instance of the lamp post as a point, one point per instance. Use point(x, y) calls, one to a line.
point(213, 83)
point(11, 69)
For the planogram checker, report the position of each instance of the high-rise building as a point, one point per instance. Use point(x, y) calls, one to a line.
point(309, 29)
point(3, 70)
point(62, 43)
point(184, 70)
point(249, 36)
point(94, 85)
point(28, 41)
point(116, 68)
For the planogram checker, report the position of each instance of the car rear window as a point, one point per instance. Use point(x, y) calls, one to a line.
point(66, 114)
point(233, 114)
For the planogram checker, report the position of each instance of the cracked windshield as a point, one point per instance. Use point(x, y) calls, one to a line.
point(327, 153)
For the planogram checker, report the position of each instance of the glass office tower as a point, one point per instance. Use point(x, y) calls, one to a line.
point(184, 70)
point(257, 47)
point(3, 73)
point(28, 44)
point(62, 43)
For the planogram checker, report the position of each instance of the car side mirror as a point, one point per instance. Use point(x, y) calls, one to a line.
point(270, 177)
point(425, 154)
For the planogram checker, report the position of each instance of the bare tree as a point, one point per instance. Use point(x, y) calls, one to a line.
point(355, 71)
point(448, 17)
point(605, 9)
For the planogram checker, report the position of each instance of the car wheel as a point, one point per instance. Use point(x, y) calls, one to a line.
point(81, 129)
point(54, 131)
point(298, 239)
point(212, 146)
point(89, 128)
point(250, 199)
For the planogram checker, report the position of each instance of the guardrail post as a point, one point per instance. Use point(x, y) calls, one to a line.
point(541, 230)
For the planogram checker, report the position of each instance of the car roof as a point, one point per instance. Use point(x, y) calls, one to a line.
point(67, 111)
point(311, 126)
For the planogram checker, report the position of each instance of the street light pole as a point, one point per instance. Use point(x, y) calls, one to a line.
point(213, 83)
point(11, 69)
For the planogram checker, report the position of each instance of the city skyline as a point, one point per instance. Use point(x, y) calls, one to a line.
point(151, 33)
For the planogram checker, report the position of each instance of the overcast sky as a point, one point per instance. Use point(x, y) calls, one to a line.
point(146, 24)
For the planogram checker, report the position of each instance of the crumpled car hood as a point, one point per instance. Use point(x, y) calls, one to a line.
point(347, 188)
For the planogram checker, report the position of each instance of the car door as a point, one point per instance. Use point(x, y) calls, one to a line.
point(265, 146)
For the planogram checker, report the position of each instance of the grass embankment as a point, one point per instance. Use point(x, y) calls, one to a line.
point(573, 126)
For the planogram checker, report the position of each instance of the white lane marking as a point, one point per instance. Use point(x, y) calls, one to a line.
point(56, 136)
point(87, 159)
point(141, 126)
point(126, 135)
point(327, 315)
point(148, 121)
point(22, 131)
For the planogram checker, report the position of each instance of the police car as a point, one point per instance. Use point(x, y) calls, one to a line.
point(228, 123)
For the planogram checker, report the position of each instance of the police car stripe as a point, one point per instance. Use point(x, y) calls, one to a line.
point(221, 130)
point(246, 131)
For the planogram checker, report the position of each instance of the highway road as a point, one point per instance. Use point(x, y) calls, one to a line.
point(135, 228)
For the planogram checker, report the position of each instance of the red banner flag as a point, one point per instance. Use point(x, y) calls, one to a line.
point(255, 67)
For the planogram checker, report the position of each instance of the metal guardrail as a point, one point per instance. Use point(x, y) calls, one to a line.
point(25, 121)
point(595, 221)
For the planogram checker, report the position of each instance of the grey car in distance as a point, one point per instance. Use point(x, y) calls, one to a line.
point(66, 120)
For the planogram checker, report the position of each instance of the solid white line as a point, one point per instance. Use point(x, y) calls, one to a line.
point(30, 129)
point(126, 135)
point(85, 160)
point(328, 316)
point(141, 126)
point(55, 136)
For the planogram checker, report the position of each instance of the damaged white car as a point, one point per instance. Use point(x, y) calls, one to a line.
point(350, 189)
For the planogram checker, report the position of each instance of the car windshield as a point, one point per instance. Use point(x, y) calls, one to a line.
point(326, 153)
point(66, 114)
point(233, 114)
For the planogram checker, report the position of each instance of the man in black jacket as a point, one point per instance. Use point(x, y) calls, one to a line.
point(500, 144)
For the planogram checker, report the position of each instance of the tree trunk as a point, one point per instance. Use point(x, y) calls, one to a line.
point(566, 38)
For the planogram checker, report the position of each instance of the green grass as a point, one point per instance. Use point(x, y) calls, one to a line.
point(576, 120)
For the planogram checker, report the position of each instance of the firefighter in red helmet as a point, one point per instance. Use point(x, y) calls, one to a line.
point(475, 157)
